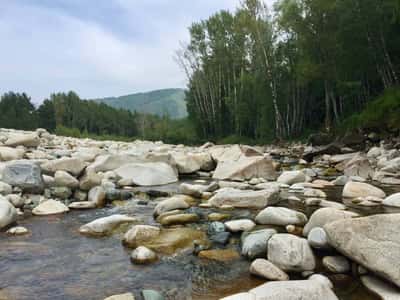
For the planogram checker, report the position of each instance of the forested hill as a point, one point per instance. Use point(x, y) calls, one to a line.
point(170, 102)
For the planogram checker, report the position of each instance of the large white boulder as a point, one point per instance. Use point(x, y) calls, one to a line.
point(147, 174)
point(373, 242)
point(245, 168)
point(244, 198)
point(74, 166)
point(360, 189)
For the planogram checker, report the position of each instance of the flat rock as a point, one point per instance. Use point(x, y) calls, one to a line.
point(172, 203)
point(245, 199)
point(148, 174)
point(50, 207)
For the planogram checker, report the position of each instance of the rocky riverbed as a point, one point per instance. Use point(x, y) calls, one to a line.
point(85, 219)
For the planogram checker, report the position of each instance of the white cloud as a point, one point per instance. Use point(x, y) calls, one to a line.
point(46, 50)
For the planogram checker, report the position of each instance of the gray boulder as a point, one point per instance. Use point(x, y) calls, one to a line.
point(255, 244)
point(290, 253)
point(25, 175)
point(373, 242)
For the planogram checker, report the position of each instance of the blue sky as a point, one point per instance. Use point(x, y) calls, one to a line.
point(97, 48)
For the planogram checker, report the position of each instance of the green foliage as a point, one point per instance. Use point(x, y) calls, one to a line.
point(166, 102)
point(17, 111)
point(382, 114)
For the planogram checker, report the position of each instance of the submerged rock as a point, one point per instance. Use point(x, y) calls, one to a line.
point(220, 254)
point(143, 255)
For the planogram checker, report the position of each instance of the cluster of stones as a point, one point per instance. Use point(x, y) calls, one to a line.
point(47, 174)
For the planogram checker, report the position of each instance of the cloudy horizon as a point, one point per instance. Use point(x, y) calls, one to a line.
point(114, 48)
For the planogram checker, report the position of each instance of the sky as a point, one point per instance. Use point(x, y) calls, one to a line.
point(97, 48)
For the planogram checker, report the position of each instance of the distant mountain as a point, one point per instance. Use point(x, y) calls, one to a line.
point(169, 102)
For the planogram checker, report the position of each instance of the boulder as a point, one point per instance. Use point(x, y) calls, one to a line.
point(5, 189)
point(311, 289)
point(89, 180)
point(373, 242)
point(290, 253)
point(18, 230)
point(62, 178)
point(361, 189)
point(50, 207)
point(245, 168)
point(178, 219)
point(197, 190)
point(359, 166)
point(97, 196)
point(240, 225)
point(188, 163)
point(291, 177)
point(280, 216)
point(143, 255)
point(255, 244)
point(140, 234)
point(104, 226)
point(393, 200)
point(244, 198)
point(383, 289)
point(147, 174)
point(152, 295)
point(318, 239)
point(336, 264)
point(27, 140)
point(74, 166)
point(8, 153)
point(25, 175)
point(324, 216)
point(172, 203)
point(8, 213)
point(266, 269)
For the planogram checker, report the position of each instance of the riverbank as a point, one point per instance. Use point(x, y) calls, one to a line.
point(85, 219)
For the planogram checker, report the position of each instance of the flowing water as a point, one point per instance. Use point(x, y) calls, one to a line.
point(55, 262)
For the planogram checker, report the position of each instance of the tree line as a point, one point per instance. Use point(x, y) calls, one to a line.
point(305, 65)
point(67, 114)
